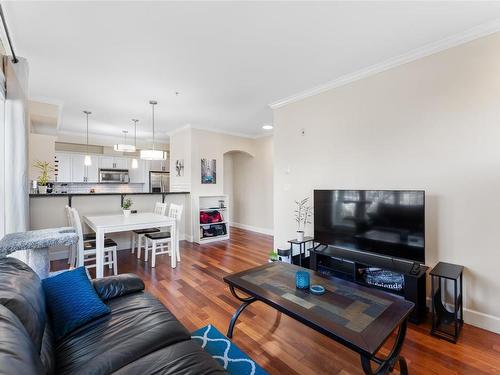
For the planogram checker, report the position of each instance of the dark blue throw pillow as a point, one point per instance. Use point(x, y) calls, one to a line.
point(72, 301)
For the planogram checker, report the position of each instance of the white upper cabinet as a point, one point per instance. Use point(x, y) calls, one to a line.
point(77, 168)
point(137, 175)
point(63, 167)
point(159, 165)
point(120, 163)
point(106, 162)
point(112, 162)
point(92, 171)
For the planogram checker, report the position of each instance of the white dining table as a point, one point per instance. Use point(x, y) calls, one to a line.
point(102, 224)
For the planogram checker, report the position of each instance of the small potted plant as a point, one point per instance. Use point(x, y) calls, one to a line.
point(127, 203)
point(303, 215)
point(273, 256)
point(44, 178)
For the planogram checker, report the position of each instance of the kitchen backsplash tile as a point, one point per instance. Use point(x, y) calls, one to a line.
point(98, 188)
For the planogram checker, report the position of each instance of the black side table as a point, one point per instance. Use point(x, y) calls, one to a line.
point(302, 248)
point(445, 323)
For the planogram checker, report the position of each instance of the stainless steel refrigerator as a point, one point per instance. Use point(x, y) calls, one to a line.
point(159, 182)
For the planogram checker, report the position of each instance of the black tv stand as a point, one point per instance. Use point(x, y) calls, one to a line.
point(352, 265)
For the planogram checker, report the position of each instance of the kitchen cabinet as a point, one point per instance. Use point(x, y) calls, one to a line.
point(137, 175)
point(159, 165)
point(112, 162)
point(77, 168)
point(120, 163)
point(63, 167)
point(92, 171)
point(106, 162)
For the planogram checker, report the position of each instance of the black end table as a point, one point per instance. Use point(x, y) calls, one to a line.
point(446, 324)
point(302, 247)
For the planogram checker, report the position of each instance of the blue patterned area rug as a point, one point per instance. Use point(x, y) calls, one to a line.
point(229, 356)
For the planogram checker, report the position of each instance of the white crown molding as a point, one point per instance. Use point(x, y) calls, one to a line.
point(427, 50)
point(215, 130)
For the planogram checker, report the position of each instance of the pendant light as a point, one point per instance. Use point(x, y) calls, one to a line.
point(124, 147)
point(87, 161)
point(153, 154)
point(135, 164)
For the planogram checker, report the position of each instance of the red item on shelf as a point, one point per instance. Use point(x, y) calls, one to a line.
point(209, 217)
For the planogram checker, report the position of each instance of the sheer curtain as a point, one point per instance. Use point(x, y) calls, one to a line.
point(14, 171)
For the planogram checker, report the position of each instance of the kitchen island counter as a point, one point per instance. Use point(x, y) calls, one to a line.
point(48, 195)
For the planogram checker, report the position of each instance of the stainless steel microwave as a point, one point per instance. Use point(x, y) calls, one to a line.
point(114, 176)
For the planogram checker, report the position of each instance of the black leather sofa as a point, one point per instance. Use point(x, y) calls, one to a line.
point(140, 336)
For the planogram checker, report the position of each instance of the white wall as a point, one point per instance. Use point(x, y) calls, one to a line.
point(432, 124)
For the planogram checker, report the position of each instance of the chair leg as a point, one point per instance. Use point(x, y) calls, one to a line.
point(139, 244)
point(177, 252)
point(146, 245)
point(115, 262)
point(111, 259)
point(153, 254)
point(132, 242)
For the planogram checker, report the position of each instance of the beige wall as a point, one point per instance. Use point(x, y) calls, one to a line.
point(41, 147)
point(247, 177)
point(432, 124)
point(253, 187)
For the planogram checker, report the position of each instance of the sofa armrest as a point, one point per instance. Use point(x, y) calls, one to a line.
point(117, 286)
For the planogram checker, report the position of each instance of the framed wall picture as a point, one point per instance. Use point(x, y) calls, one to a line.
point(179, 168)
point(208, 171)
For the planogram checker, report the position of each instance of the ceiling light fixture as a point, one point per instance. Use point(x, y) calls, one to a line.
point(124, 147)
point(135, 163)
point(153, 154)
point(267, 127)
point(87, 161)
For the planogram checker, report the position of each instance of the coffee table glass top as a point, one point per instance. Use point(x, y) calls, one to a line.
point(361, 316)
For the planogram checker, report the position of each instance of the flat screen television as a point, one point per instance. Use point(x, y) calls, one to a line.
point(384, 222)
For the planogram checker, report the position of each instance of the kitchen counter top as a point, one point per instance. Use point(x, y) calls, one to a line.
point(84, 194)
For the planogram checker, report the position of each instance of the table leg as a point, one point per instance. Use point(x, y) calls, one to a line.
point(246, 301)
point(99, 254)
point(173, 250)
point(387, 365)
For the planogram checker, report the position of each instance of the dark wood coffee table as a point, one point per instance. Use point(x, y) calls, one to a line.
point(358, 317)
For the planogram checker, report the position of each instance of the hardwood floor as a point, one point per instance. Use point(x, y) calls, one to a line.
point(196, 294)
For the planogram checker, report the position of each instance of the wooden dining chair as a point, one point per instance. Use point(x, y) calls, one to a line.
point(161, 242)
point(87, 249)
point(138, 235)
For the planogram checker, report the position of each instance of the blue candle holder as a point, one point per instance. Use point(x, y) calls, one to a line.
point(302, 280)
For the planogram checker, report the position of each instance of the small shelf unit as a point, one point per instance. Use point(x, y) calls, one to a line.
point(214, 231)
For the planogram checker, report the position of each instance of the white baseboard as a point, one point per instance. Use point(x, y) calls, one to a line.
point(482, 320)
point(477, 318)
point(269, 232)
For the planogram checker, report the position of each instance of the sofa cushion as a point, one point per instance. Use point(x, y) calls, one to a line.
point(183, 358)
point(137, 326)
point(21, 292)
point(18, 354)
point(72, 301)
point(118, 286)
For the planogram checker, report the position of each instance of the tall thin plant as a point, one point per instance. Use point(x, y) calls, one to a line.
point(303, 214)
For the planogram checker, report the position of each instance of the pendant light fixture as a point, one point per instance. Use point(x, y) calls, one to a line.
point(135, 164)
point(153, 154)
point(87, 161)
point(124, 147)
